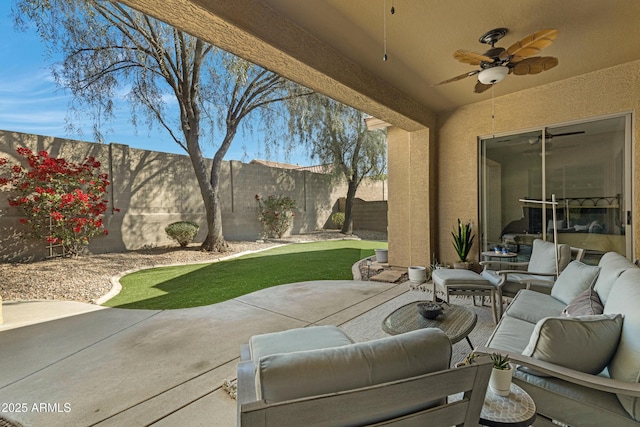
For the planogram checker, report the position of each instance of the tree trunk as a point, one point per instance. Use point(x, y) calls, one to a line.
point(215, 239)
point(347, 227)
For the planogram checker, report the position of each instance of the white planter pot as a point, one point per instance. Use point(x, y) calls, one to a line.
point(500, 381)
point(382, 255)
point(417, 274)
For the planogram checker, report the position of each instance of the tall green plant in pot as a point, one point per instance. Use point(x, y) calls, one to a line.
point(462, 241)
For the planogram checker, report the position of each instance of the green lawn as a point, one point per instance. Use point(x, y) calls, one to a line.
point(203, 284)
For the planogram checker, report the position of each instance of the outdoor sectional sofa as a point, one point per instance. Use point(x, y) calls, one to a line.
point(581, 369)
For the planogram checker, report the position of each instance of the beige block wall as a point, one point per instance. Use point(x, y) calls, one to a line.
point(154, 189)
point(610, 91)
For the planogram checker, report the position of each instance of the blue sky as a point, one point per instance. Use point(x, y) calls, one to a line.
point(30, 102)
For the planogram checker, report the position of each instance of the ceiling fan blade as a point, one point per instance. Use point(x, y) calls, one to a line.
point(468, 57)
point(481, 87)
point(534, 65)
point(556, 135)
point(532, 44)
point(456, 78)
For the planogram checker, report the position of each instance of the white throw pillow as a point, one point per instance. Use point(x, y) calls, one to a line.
point(576, 278)
point(582, 343)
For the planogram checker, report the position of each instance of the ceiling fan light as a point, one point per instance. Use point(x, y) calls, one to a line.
point(493, 75)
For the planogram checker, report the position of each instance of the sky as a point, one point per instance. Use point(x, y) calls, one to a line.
point(31, 102)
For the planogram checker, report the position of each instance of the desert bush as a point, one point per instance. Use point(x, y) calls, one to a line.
point(276, 214)
point(182, 232)
point(60, 202)
point(338, 219)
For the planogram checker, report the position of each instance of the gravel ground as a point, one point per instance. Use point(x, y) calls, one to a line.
point(87, 278)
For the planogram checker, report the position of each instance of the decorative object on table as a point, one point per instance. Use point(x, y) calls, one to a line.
point(501, 374)
point(429, 310)
point(462, 241)
point(382, 255)
point(417, 274)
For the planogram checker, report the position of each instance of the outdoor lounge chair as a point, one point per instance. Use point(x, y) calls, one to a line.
point(317, 376)
point(540, 271)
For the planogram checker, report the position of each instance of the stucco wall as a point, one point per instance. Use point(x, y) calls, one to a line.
point(154, 189)
point(610, 91)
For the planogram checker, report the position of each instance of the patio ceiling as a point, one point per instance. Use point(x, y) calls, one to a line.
point(338, 44)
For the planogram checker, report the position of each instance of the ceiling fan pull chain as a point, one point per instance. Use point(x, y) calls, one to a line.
point(384, 25)
point(384, 28)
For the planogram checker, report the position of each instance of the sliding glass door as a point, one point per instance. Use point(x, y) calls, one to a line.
point(583, 165)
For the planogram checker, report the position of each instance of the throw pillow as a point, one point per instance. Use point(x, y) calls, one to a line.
point(583, 343)
point(543, 257)
point(585, 304)
point(575, 279)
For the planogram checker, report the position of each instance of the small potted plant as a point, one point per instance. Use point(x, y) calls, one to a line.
point(462, 241)
point(501, 374)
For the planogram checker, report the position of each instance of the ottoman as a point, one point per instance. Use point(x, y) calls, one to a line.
point(464, 282)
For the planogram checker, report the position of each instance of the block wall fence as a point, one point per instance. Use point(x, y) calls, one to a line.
point(154, 189)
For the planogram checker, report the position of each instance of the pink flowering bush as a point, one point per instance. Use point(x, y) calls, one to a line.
point(276, 214)
point(60, 202)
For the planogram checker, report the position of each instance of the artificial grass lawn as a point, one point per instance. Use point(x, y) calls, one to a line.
point(203, 284)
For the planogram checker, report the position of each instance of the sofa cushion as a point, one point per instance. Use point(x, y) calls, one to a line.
point(543, 258)
point(511, 334)
point(612, 264)
point(576, 278)
point(531, 306)
point(583, 343)
point(300, 374)
point(625, 365)
point(298, 339)
point(585, 304)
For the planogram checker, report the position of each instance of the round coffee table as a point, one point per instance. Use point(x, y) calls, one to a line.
point(456, 321)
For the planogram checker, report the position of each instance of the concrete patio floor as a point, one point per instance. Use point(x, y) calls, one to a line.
point(117, 367)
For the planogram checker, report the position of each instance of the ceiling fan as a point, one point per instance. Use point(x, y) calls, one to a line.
point(497, 62)
point(548, 136)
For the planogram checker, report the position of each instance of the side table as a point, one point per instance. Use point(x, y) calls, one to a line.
point(499, 255)
point(516, 410)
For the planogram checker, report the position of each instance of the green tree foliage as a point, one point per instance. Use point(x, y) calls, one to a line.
point(109, 49)
point(337, 134)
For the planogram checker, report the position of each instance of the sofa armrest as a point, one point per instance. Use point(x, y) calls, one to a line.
point(246, 383)
point(497, 265)
point(531, 273)
point(576, 377)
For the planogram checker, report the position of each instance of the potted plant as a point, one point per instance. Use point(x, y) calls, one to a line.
point(382, 255)
point(501, 374)
point(462, 241)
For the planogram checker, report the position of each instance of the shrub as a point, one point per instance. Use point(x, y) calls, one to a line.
point(276, 214)
point(182, 232)
point(338, 219)
point(59, 201)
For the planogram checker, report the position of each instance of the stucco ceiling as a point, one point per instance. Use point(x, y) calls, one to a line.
point(422, 36)
point(336, 46)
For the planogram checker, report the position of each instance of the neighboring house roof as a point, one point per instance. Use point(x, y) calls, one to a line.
point(326, 169)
